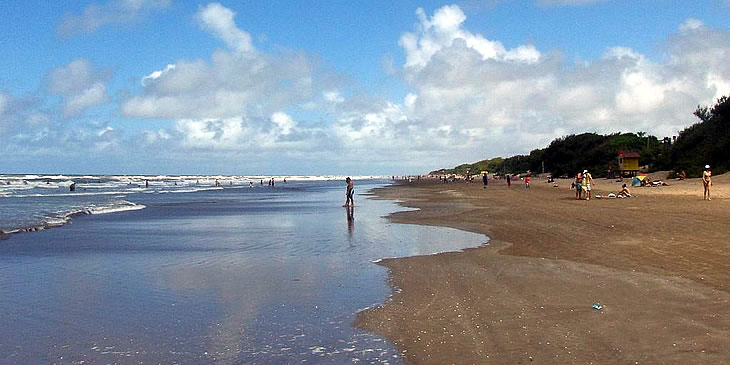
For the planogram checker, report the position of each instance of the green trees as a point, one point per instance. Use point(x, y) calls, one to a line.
point(706, 142)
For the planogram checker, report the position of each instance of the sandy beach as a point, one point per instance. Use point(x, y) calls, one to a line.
point(658, 264)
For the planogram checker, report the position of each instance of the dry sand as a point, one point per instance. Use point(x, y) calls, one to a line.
point(659, 263)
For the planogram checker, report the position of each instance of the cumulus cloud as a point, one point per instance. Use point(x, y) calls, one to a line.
point(79, 84)
point(236, 81)
point(468, 97)
point(469, 90)
point(114, 12)
point(219, 20)
point(443, 29)
point(21, 113)
point(691, 24)
point(154, 75)
point(333, 96)
point(240, 134)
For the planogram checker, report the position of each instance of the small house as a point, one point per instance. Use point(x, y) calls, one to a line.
point(628, 163)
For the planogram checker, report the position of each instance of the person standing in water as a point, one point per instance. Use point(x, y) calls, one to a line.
point(509, 181)
point(707, 182)
point(349, 193)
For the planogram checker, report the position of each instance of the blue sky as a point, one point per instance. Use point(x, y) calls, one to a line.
point(376, 87)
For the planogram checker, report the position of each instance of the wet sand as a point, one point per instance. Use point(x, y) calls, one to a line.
point(659, 264)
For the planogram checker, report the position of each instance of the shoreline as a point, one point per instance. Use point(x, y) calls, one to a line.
point(659, 264)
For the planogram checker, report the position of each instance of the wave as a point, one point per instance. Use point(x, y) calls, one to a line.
point(183, 190)
point(120, 193)
point(58, 219)
point(115, 208)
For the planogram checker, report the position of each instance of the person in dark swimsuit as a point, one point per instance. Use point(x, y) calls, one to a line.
point(349, 193)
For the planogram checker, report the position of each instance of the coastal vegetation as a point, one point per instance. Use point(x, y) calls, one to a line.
point(705, 142)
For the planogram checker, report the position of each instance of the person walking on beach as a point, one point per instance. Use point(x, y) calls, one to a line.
point(578, 185)
point(349, 193)
point(587, 182)
point(707, 182)
point(485, 180)
point(527, 182)
point(509, 181)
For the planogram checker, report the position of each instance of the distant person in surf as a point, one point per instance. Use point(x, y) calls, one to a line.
point(707, 182)
point(485, 180)
point(527, 182)
point(509, 181)
point(349, 193)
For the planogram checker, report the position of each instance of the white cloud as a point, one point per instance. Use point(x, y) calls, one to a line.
point(219, 20)
point(4, 101)
point(113, 12)
point(235, 82)
point(691, 24)
point(20, 114)
point(79, 84)
point(156, 74)
point(211, 133)
point(444, 29)
point(467, 97)
point(333, 96)
point(284, 122)
point(92, 96)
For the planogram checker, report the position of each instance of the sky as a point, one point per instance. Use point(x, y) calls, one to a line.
point(342, 87)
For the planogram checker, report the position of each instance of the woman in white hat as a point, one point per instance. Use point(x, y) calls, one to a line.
point(707, 181)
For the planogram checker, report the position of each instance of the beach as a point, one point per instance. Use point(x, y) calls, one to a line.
point(657, 265)
point(201, 275)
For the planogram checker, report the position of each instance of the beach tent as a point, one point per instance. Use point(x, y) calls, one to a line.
point(637, 180)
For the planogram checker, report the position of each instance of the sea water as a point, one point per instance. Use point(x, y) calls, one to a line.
point(189, 271)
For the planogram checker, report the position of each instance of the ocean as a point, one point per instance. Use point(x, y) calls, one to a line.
point(198, 269)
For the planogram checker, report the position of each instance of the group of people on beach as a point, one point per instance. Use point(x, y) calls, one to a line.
point(584, 181)
point(583, 184)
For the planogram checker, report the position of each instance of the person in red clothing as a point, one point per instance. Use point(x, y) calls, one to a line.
point(527, 181)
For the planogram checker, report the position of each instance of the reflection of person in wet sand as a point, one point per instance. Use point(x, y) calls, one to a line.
point(707, 181)
point(350, 219)
point(349, 193)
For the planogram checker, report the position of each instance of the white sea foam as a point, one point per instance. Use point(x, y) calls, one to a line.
point(68, 194)
point(187, 190)
point(114, 209)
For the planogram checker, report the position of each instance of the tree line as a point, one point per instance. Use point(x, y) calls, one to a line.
point(705, 142)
